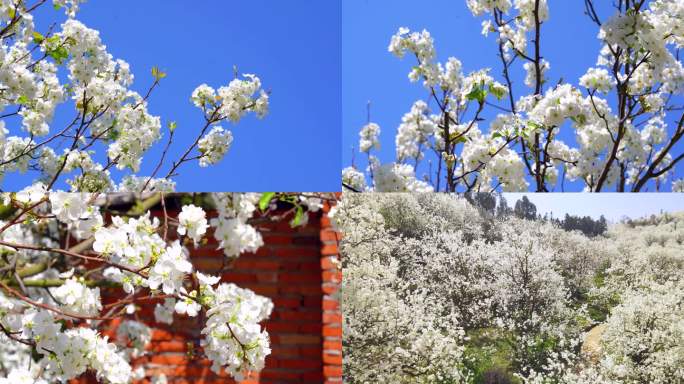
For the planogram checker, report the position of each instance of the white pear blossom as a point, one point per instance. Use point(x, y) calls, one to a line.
point(51, 312)
point(608, 147)
point(214, 145)
point(192, 221)
point(444, 284)
point(233, 326)
point(170, 269)
point(76, 297)
point(369, 137)
point(164, 313)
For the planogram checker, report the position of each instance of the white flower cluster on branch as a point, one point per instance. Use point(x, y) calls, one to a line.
point(625, 120)
point(109, 116)
point(437, 290)
point(51, 310)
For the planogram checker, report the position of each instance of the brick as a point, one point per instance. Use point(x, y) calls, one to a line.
point(239, 277)
point(297, 252)
point(282, 327)
point(311, 302)
point(302, 278)
point(313, 377)
point(329, 304)
point(251, 263)
point(329, 262)
point(313, 328)
point(287, 302)
point(170, 359)
point(304, 290)
point(332, 359)
point(208, 263)
point(332, 371)
point(332, 345)
point(332, 331)
point(276, 239)
point(330, 288)
point(329, 250)
point(309, 266)
point(299, 316)
point(267, 277)
point(332, 277)
point(168, 346)
point(299, 364)
point(284, 352)
point(330, 235)
point(309, 240)
point(299, 339)
point(312, 352)
point(332, 318)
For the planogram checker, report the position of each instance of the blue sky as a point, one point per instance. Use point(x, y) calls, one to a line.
point(293, 46)
point(370, 73)
point(611, 205)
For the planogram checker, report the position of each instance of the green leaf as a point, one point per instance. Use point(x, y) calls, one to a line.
point(59, 54)
point(497, 92)
point(114, 134)
point(23, 100)
point(57, 7)
point(38, 37)
point(477, 93)
point(53, 39)
point(11, 13)
point(534, 126)
point(298, 216)
point(455, 138)
point(158, 74)
point(265, 200)
point(172, 126)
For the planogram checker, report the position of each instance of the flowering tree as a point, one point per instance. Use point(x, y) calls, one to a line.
point(111, 128)
point(58, 249)
point(437, 291)
point(622, 110)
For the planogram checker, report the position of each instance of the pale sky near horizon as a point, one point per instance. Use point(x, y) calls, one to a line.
point(611, 205)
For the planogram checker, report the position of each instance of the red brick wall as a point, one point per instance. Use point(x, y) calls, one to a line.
point(332, 315)
point(296, 269)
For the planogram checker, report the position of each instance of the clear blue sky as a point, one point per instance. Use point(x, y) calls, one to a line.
point(369, 72)
point(293, 46)
point(611, 205)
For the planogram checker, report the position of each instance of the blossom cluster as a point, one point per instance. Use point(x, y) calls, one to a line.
point(110, 116)
point(613, 147)
point(51, 307)
point(516, 299)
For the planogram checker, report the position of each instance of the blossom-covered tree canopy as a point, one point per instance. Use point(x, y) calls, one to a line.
point(110, 127)
point(436, 290)
point(57, 250)
point(623, 111)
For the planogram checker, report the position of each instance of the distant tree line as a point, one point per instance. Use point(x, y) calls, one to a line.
point(496, 205)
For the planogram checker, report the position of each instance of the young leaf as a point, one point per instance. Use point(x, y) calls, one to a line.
point(457, 137)
point(477, 93)
point(23, 100)
point(59, 54)
point(298, 216)
point(38, 37)
point(497, 92)
point(265, 200)
point(158, 74)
